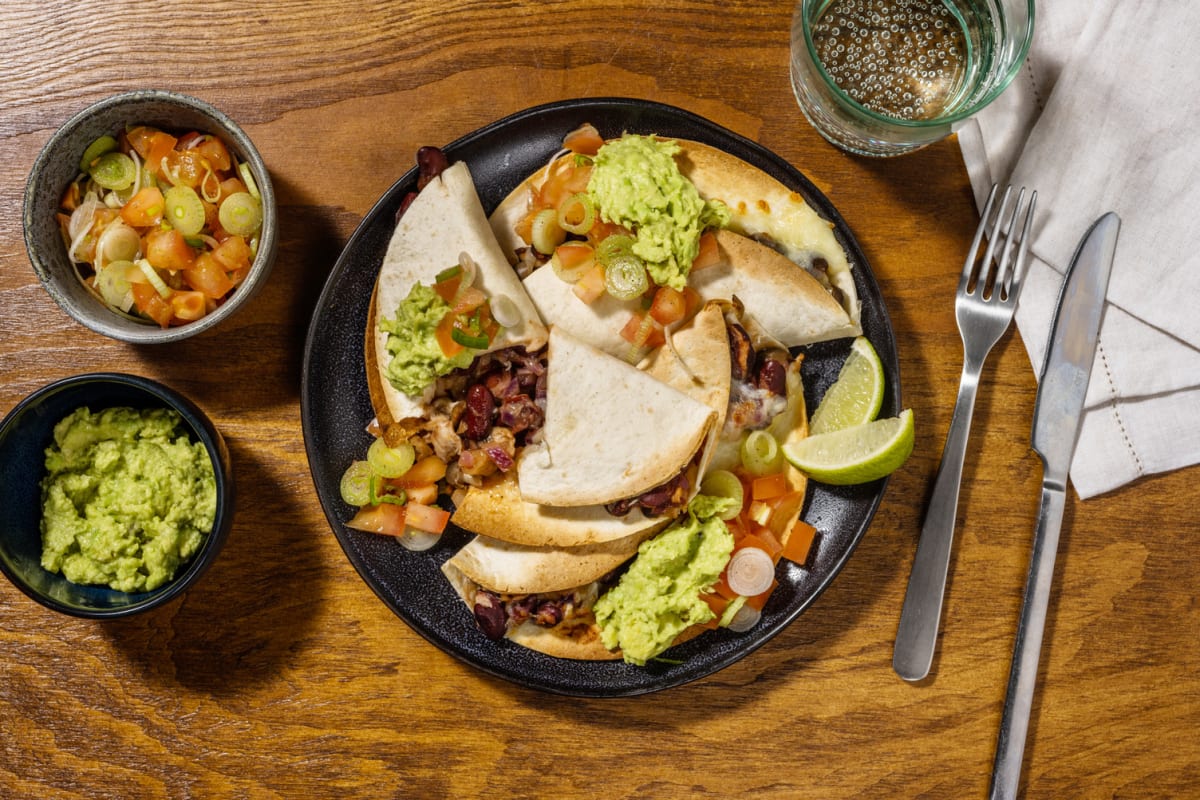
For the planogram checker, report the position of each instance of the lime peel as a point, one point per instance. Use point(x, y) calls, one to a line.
point(858, 454)
point(857, 394)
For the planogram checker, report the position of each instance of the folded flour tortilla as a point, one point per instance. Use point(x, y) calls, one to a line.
point(443, 221)
point(611, 431)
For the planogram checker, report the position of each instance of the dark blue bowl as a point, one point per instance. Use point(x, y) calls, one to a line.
point(24, 436)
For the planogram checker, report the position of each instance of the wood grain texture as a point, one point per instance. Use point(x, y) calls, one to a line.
point(281, 675)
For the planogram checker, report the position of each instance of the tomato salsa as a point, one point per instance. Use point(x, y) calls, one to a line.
point(162, 228)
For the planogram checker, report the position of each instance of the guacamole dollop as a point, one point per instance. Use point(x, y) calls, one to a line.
point(126, 499)
point(658, 597)
point(635, 182)
point(417, 358)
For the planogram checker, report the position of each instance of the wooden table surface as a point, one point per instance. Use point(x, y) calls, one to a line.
point(282, 675)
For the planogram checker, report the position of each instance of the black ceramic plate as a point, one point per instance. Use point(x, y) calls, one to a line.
point(336, 408)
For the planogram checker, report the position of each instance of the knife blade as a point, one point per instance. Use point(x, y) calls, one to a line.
point(1058, 410)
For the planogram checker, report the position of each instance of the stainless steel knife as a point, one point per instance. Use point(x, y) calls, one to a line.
point(1056, 417)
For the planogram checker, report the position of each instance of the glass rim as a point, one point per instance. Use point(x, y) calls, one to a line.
point(1003, 83)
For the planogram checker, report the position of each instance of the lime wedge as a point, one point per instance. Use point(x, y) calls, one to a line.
point(857, 454)
point(856, 396)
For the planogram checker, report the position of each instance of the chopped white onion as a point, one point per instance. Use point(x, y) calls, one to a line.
point(745, 619)
point(505, 311)
point(750, 572)
point(417, 541)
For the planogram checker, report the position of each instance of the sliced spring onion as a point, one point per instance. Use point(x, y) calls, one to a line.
point(248, 179)
point(466, 339)
point(750, 571)
point(761, 454)
point(154, 278)
point(505, 311)
point(185, 210)
point(745, 618)
point(723, 483)
point(240, 214)
point(625, 277)
point(577, 213)
point(355, 486)
point(105, 144)
point(390, 462)
point(572, 260)
point(112, 283)
point(612, 246)
point(113, 171)
point(417, 541)
point(448, 273)
point(731, 610)
point(545, 234)
point(118, 242)
point(380, 494)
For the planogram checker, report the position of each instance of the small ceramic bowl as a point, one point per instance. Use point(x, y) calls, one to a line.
point(27, 431)
point(58, 164)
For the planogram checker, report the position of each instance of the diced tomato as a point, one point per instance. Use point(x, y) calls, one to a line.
point(585, 140)
point(208, 275)
point(144, 209)
point(426, 493)
point(149, 302)
point(709, 254)
point(469, 299)
point(187, 167)
point(669, 306)
point(590, 287)
point(601, 230)
point(763, 540)
point(769, 486)
point(718, 604)
point(430, 519)
point(233, 254)
point(759, 600)
point(566, 178)
point(188, 306)
point(214, 150)
point(447, 288)
point(445, 336)
point(799, 541)
point(429, 469)
point(385, 518)
point(152, 145)
point(692, 300)
point(231, 186)
point(642, 331)
point(167, 249)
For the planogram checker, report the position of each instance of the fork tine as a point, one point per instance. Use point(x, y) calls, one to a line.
point(995, 230)
point(973, 253)
point(1007, 246)
point(1018, 274)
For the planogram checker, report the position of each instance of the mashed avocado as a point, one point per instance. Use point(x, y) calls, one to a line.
point(127, 498)
point(417, 358)
point(636, 183)
point(658, 597)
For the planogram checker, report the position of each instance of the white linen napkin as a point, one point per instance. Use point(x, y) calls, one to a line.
point(1105, 116)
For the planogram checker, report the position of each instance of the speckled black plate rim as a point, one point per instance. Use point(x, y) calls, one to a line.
point(335, 409)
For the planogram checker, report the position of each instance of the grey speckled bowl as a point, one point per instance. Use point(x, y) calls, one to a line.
point(25, 434)
point(58, 164)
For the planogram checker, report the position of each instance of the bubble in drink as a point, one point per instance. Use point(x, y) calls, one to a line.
point(899, 58)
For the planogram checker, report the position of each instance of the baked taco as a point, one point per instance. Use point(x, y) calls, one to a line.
point(700, 220)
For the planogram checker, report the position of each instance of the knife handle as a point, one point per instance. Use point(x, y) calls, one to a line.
point(1014, 723)
point(916, 636)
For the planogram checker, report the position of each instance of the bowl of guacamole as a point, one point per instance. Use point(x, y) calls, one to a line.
point(118, 494)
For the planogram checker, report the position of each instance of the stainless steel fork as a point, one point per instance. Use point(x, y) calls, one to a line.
point(987, 296)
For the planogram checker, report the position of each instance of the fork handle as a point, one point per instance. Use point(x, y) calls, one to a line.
point(916, 636)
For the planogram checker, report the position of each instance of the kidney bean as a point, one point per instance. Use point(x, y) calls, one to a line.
point(431, 162)
point(490, 615)
point(477, 418)
point(772, 376)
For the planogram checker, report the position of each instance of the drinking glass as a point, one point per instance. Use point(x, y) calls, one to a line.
point(886, 77)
